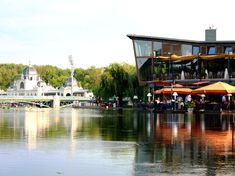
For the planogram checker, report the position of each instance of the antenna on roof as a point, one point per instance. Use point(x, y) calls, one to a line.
point(211, 26)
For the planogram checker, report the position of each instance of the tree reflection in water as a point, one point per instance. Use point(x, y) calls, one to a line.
point(189, 144)
point(145, 142)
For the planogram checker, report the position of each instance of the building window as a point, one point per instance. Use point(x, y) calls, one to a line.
point(143, 48)
point(21, 85)
point(228, 49)
point(141, 62)
point(211, 50)
point(157, 48)
point(186, 50)
point(196, 50)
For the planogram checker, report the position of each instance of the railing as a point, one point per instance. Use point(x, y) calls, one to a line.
point(188, 76)
point(43, 98)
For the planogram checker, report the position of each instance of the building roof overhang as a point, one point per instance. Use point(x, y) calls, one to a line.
point(143, 37)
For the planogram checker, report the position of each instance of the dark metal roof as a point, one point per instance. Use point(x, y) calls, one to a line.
point(143, 37)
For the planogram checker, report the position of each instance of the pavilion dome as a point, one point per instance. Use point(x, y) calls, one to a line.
point(68, 82)
point(29, 70)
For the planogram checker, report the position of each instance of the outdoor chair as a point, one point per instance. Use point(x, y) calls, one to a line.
point(233, 74)
point(210, 75)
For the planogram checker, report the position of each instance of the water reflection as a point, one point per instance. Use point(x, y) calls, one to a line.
point(130, 142)
point(36, 122)
point(188, 144)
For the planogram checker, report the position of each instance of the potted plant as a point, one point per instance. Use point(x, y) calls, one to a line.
point(190, 105)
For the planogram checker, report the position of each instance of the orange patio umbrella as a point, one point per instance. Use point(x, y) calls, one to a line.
point(169, 90)
point(218, 88)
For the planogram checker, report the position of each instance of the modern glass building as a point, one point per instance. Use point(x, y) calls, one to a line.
point(161, 61)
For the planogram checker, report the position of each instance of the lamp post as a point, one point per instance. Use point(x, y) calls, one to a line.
point(229, 98)
point(203, 100)
point(175, 94)
point(135, 98)
point(149, 97)
point(229, 71)
point(203, 96)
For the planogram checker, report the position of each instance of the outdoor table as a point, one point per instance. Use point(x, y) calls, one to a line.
point(213, 106)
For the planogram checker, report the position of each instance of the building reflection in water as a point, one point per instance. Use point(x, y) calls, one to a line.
point(187, 139)
point(36, 122)
point(75, 125)
point(152, 143)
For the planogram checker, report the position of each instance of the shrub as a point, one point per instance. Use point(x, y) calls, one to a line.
point(190, 104)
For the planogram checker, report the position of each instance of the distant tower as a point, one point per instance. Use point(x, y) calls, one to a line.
point(72, 72)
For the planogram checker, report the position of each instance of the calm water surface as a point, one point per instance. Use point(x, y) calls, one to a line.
point(114, 142)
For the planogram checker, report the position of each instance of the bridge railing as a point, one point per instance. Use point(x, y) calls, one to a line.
point(33, 98)
point(46, 98)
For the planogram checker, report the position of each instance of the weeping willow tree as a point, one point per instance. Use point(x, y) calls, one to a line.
point(119, 80)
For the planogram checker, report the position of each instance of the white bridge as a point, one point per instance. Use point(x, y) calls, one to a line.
point(44, 101)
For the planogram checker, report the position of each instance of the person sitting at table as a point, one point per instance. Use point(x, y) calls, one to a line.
point(224, 102)
point(188, 98)
point(157, 101)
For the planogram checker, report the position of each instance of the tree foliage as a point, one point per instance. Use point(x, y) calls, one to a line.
point(8, 73)
point(53, 75)
point(119, 80)
point(89, 78)
point(114, 80)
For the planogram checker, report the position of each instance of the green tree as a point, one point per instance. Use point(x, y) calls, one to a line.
point(116, 79)
point(119, 80)
point(80, 74)
point(53, 75)
point(93, 79)
point(89, 78)
point(8, 73)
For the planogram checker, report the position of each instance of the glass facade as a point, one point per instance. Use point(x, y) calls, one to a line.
point(186, 50)
point(211, 50)
point(145, 69)
point(153, 60)
point(196, 50)
point(143, 48)
point(228, 49)
point(157, 48)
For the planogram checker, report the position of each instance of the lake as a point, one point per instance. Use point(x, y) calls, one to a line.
point(115, 142)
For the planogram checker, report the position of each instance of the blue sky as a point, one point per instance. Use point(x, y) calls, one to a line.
point(94, 32)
